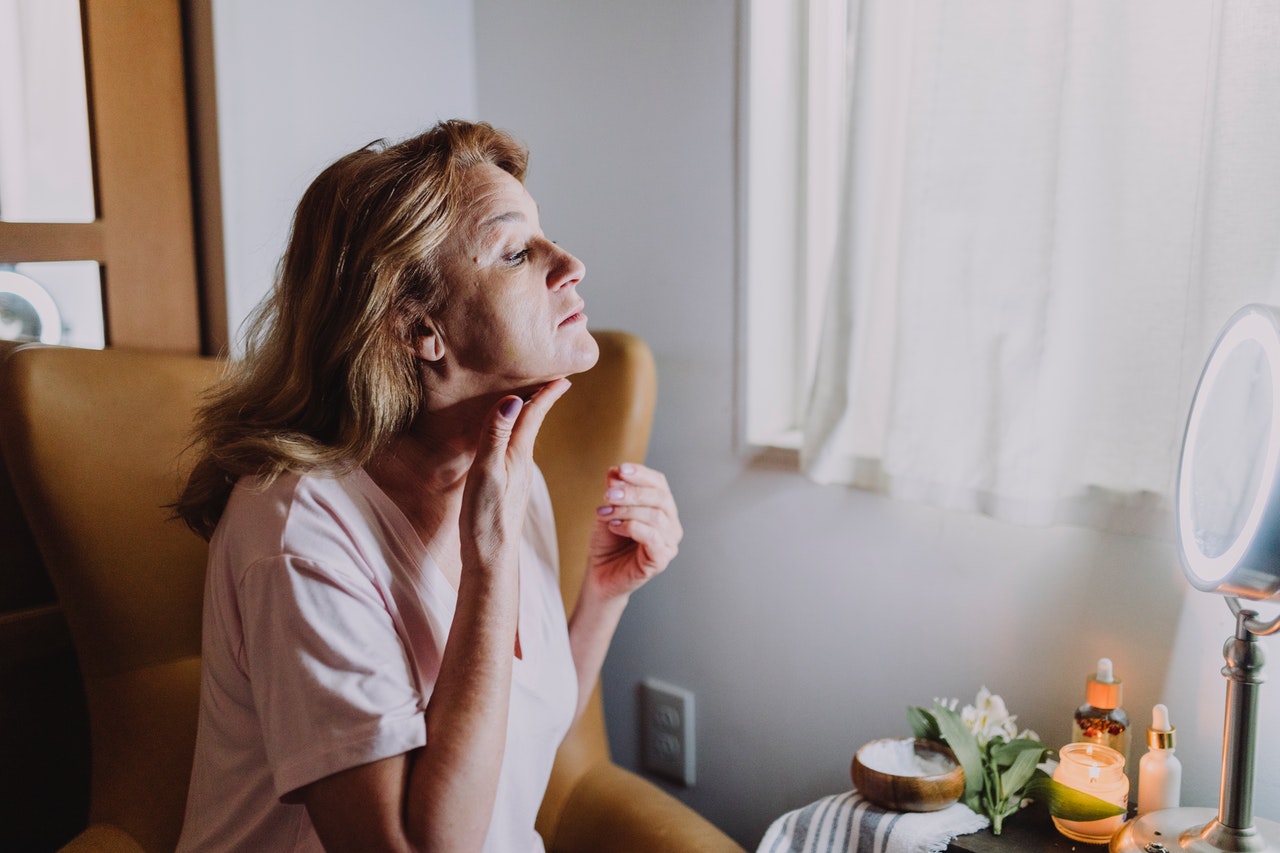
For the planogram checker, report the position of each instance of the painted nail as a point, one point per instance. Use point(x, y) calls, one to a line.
point(628, 468)
point(616, 522)
point(614, 494)
point(604, 510)
point(510, 407)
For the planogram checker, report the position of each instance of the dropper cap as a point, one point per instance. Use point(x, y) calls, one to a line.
point(1103, 688)
point(1160, 735)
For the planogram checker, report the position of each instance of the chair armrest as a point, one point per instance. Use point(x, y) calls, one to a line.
point(612, 810)
point(102, 838)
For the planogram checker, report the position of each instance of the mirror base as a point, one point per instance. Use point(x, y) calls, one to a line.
point(1194, 830)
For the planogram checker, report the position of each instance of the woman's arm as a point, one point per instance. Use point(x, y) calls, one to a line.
point(637, 534)
point(440, 797)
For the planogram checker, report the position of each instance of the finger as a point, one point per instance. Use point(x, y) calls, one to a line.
point(659, 500)
point(640, 485)
point(633, 472)
point(667, 527)
point(654, 517)
point(620, 494)
point(657, 525)
point(535, 411)
point(655, 550)
point(498, 429)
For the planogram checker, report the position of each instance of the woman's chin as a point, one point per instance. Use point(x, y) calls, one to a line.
point(579, 359)
point(586, 356)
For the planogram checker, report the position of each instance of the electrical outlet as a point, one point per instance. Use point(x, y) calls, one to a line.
point(666, 731)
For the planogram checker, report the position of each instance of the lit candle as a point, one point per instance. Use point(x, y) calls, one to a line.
point(1097, 770)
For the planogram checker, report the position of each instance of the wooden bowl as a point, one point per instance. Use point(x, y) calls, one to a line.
point(922, 793)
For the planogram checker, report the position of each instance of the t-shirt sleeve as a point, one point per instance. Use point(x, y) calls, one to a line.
point(330, 676)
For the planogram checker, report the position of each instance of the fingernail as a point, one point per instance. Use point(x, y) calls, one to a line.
point(604, 510)
point(510, 408)
point(628, 468)
point(615, 522)
point(614, 494)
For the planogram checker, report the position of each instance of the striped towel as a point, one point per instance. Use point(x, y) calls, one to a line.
point(847, 823)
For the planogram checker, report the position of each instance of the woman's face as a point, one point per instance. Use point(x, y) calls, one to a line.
point(513, 318)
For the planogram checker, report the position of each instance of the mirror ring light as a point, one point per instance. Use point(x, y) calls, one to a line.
point(1249, 565)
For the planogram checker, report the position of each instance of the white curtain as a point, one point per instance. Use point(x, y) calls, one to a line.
point(1048, 211)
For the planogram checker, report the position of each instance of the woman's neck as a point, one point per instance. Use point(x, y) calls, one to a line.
point(423, 470)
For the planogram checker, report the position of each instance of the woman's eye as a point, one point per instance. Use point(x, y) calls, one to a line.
point(516, 258)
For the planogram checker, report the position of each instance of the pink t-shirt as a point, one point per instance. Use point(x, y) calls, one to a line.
point(324, 622)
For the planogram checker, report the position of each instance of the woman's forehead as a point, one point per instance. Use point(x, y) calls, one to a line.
point(488, 193)
point(493, 199)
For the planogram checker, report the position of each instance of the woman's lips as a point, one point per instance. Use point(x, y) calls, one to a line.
point(576, 317)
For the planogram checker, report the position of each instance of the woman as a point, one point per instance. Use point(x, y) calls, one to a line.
point(366, 478)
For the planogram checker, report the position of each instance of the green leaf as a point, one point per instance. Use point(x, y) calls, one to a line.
point(964, 745)
point(1005, 753)
point(1068, 803)
point(1024, 767)
point(923, 724)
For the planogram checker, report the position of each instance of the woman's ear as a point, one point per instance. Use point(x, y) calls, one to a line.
point(427, 343)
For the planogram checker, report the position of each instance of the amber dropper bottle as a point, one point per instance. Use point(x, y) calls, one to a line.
point(1101, 719)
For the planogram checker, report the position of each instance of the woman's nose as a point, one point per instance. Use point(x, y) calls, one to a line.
point(565, 270)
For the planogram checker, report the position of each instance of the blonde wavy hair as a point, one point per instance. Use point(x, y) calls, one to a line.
point(328, 376)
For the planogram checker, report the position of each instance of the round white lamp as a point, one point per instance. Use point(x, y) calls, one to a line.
point(14, 285)
point(1228, 535)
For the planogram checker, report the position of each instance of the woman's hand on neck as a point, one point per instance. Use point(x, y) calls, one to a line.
point(424, 469)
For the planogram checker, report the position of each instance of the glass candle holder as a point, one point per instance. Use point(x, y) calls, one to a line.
point(1097, 770)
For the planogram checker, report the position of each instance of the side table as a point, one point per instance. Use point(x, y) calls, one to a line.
point(1029, 831)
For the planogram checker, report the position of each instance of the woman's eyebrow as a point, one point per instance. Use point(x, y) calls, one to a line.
point(509, 216)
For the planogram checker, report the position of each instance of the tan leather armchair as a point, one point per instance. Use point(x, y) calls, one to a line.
point(94, 442)
point(44, 728)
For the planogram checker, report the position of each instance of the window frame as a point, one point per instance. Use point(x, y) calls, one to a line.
point(143, 235)
point(792, 79)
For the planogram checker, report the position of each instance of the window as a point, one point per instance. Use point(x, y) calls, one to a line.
point(794, 66)
point(986, 244)
point(103, 225)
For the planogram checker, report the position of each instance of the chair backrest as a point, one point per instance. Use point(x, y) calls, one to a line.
point(44, 784)
point(23, 583)
point(95, 443)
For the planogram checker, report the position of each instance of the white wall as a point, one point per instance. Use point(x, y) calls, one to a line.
point(804, 617)
point(302, 82)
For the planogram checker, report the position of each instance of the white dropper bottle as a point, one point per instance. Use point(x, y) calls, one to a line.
point(1160, 771)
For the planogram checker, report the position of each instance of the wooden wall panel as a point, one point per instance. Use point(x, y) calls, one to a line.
point(144, 234)
point(142, 167)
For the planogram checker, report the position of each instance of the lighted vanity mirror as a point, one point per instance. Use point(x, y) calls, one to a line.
point(1228, 504)
point(1228, 520)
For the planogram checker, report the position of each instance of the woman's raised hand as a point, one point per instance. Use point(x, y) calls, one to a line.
point(637, 530)
point(497, 487)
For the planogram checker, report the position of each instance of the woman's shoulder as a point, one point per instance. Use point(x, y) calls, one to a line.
point(255, 495)
point(266, 516)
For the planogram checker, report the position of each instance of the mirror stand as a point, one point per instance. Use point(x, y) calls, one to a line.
point(1233, 829)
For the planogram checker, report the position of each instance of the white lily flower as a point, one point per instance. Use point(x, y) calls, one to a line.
point(986, 720)
point(949, 704)
point(989, 718)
